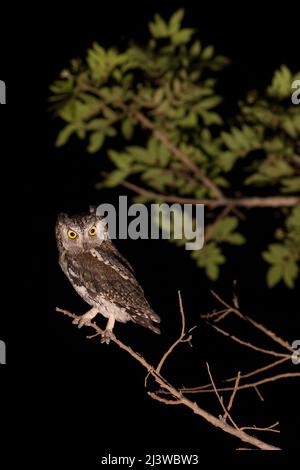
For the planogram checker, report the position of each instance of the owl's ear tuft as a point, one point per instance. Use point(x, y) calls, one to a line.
point(61, 217)
point(92, 209)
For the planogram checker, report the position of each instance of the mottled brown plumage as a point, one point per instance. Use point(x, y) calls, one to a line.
point(100, 274)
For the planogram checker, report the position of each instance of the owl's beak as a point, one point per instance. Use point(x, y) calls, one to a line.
point(85, 245)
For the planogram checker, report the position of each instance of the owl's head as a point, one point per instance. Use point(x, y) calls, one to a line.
point(80, 233)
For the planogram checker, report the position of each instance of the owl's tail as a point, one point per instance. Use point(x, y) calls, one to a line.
point(146, 319)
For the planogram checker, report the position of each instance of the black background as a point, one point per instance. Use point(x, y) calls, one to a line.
point(67, 399)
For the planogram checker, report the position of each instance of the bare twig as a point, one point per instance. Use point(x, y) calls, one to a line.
point(226, 413)
point(164, 400)
point(248, 344)
point(257, 325)
point(258, 393)
point(177, 394)
point(285, 375)
point(178, 341)
point(232, 396)
point(270, 333)
point(269, 428)
point(249, 374)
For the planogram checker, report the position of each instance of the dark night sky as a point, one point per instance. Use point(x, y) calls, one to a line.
point(56, 375)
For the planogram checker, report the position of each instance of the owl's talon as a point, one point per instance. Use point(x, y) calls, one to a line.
point(107, 335)
point(86, 319)
point(81, 322)
point(84, 323)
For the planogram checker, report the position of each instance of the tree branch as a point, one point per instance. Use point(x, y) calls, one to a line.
point(226, 412)
point(257, 325)
point(249, 374)
point(241, 387)
point(232, 396)
point(248, 202)
point(269, 428)
point(179, 340)
point(177, 394)
point(248, 344)
point(163, 137)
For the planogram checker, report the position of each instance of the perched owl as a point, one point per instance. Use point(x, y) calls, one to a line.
point(100, 274)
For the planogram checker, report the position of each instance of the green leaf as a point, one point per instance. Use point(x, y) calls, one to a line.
point(225, 226)
point(121, 160)
point(141, 154)
point(163, 154)
point(290, 274)
point(288, 125)
point(110, 131)
point(212, 271)
point(154, 177)
point(127, 128)
point(276, 253)
point(293, 221)
point(274, 275)
point(207, 53)
point(175, 21)
point(65, 134)
point(209, 258)
point(229, 140)
point(182, 37)
point(189, 121)
point(96, 124)
point(291, 185)
point(158, 27)
point(281, 83)
point(209, 103)
point(236, 239)
point(227, 160)
point(96, 141)
point(195, 49)
point(68, 111)
point(115, 177)
point(211, 118)
point(158, 96)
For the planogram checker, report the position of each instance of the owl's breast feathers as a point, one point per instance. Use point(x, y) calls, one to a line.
point(102, 275)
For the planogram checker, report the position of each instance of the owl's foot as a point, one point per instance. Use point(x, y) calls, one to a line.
point(107, 335)
point(86, 319)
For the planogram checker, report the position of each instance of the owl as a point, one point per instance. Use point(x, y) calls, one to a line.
point(100, 274)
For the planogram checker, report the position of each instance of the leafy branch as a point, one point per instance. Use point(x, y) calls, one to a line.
point(154, 110)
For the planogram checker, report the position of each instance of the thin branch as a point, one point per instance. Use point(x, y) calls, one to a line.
point(257, 325)
point(249, 374)
point(226, 413)
point(286, 375)
point(269, 428)
point(232, 396)
point(164, 400)
point(177, 394)
point(259, 394)
point(178, 341)
point(270, 333)
point(164, 138)
point(248, 344)
point(248, 202)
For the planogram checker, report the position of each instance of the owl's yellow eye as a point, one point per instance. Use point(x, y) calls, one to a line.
point(72, 234)
point(93, 231)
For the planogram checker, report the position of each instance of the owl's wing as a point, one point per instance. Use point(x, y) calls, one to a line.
point(103, 275)
point(110, 249)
